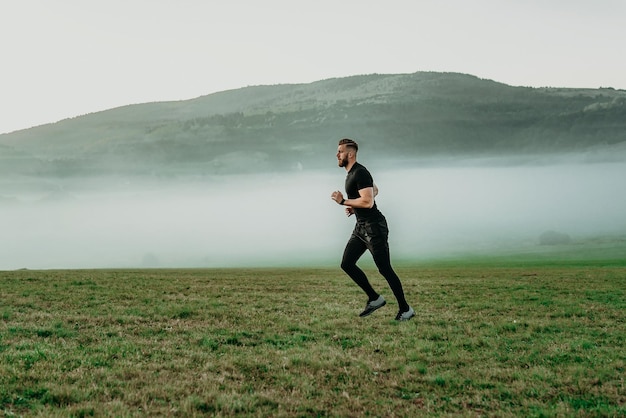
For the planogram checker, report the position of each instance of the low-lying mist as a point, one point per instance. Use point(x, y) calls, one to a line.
point(289, 219)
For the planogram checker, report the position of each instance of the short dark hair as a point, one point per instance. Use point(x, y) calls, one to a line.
point(349, 143)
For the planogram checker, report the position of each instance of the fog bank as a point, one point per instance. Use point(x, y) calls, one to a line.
point(276, 220)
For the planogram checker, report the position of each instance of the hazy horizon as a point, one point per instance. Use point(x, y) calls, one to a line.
point(289, 219)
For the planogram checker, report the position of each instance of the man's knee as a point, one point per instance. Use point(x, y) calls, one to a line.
point(347, 265)
point(386, 270)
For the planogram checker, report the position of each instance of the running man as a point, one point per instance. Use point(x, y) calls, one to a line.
point(370, 232)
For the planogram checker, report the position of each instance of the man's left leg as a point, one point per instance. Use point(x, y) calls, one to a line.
point(380, 252)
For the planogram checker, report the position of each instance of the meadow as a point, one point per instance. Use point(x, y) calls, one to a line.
point(488, 340)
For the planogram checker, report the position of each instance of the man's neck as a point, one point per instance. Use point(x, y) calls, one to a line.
point(350, 165)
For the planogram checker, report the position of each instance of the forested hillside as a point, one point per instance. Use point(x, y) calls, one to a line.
point(287, 127)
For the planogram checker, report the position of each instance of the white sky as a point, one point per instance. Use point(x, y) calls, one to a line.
point(65, 58)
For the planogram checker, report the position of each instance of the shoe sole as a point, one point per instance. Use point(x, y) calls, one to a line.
point(364, 314)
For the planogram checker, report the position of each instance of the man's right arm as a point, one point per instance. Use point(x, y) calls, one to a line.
point(364, 201)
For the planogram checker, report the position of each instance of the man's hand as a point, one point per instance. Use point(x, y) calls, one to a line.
point(349, 211)
point(337, 196)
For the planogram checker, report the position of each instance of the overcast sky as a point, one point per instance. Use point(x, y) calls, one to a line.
point(65, 58)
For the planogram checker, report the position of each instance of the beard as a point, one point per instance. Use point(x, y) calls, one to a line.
point(342, 163)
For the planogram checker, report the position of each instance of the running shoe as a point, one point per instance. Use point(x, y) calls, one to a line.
point(373, 305)
point(405, 316)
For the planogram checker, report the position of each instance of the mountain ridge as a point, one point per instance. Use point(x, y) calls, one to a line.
point(287, 126)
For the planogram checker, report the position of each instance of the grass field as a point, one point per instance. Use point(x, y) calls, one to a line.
point(488, 340)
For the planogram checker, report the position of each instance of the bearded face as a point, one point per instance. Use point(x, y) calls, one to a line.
point(342, 156)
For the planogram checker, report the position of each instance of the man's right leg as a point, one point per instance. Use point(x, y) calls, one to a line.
point(353, 251)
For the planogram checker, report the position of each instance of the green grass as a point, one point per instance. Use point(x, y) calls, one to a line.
point(533, 340)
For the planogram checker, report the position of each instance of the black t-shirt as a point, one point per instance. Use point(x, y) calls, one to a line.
point(360, 178)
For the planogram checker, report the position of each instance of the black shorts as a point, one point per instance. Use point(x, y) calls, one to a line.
point(374, 233)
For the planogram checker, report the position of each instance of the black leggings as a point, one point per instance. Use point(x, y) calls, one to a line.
point(372, 236)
